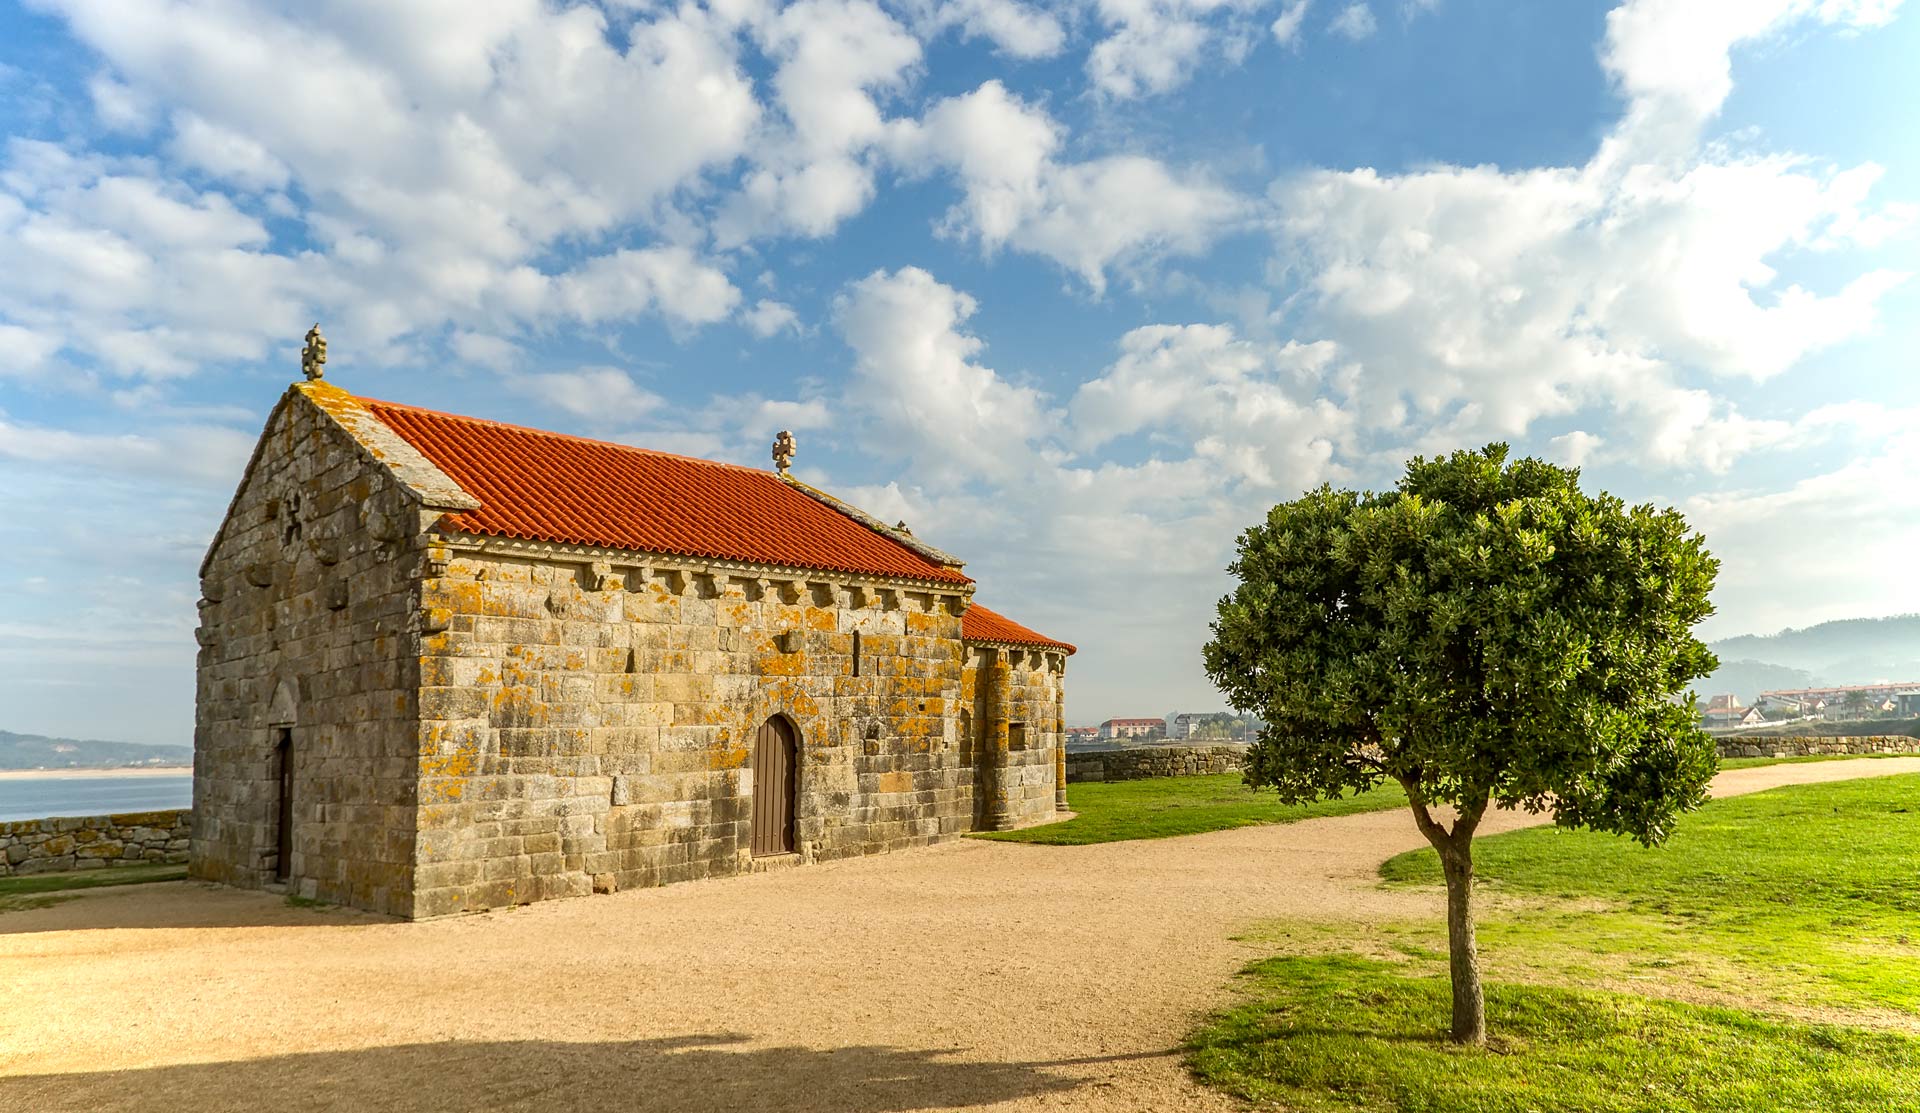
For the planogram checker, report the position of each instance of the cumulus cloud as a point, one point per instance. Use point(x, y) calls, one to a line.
point(1153, 46)
point(770, 318)
point(1018, 30)
point(927, 396)
point(1476, 301)
point(1355, 22)
point(1286, 28)
point(1087, 216)
point(813, 169)
point(438, 152)
point(597, 395)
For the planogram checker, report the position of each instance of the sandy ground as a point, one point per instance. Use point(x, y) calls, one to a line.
point(90, 774)
point(973, 975)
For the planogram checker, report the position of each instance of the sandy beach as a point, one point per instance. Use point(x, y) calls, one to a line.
point(138, 771)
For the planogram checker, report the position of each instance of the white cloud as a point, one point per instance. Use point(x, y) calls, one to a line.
point(1673, 60)
point(768, 318)
point(631, 282)
point(1576, 448)
point(598, 395)
point(1086, 216)
point(918, 380)
point(1355, 22)
point(1475, 301)
point(1841, 540)
point(201, 454)
point(225, 154)
point(813, 171)
point(1154, 46)
point(1018, 30)
point(1286, 28)
point(438, 152)
point(119, 107)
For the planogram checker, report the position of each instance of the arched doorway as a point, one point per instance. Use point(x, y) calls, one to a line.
point(775, 764)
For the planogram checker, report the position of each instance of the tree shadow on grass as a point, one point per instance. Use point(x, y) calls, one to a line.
point(677, 1075)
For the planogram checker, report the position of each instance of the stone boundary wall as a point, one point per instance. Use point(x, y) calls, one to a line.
point(1140, 762)
point(1809, 745)
point(94, 841)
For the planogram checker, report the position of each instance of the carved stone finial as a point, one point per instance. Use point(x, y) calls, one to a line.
point(313, 357)
point(783, 449)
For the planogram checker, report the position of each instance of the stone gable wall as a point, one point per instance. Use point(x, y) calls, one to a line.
point(94, 841)
point(589, 725)
point(309, 599)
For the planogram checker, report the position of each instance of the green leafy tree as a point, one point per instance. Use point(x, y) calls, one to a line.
point(1485, 634)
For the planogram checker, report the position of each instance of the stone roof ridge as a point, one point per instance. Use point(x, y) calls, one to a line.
point(416, 474)
point(891, 533)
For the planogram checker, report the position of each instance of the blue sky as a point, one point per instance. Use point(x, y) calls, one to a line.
point(1077, 291)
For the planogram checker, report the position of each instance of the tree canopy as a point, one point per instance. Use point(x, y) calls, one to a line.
point(1486, 633)
point(1483, 628)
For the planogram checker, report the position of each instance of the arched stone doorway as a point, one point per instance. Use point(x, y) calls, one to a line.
point(776, 760)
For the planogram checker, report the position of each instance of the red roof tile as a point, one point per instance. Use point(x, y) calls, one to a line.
point(982, 625)
point(545, 486)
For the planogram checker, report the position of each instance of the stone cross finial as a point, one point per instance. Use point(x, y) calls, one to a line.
point(783, 449)
point(313, 357)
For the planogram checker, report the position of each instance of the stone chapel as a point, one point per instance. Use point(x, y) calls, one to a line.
point(449, 664)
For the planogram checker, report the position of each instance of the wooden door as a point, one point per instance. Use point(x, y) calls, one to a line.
point(283, 811)
point(774, 761)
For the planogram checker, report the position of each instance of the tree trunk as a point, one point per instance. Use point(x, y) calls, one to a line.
point(1469, 1005)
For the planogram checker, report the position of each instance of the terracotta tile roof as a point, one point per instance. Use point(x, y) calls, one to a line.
point(545, 486)
point(979, 624)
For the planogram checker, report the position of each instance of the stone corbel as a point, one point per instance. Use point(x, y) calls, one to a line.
point(213, 589)
point(261, 573)
point(595, 575)
point(674, 580)
point(326, 550)
point(859, 596)
point(789, 590)
point(705, 586)
point(889, 599)
point(337, 595)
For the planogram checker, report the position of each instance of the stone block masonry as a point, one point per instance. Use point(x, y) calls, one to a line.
point(94, 841)
point(1140, 762)
point(1813, 746)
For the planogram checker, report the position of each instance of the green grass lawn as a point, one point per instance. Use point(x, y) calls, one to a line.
point(34, 890)
point(1337, 1032)
point(1160, 807)
point(1810, 892)
point(1794, 913)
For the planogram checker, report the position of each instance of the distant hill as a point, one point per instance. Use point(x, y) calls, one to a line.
point(37, 751)
point(1847, 651)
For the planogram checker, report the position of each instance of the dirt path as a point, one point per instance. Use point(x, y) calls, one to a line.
point(973, 975)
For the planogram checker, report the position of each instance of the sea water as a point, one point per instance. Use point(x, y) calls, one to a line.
point(38, 797)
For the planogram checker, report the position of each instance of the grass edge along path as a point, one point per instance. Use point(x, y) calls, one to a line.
point(1341, 1032)
point(1164, 807)
point(43, 890)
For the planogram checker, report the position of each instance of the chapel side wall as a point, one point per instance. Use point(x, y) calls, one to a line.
point(588, 725)
point(1016, 771)
point(309, 594)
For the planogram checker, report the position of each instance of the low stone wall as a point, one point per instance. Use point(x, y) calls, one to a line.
point(1808, 746)
point(94, 841)
point(1139, 762)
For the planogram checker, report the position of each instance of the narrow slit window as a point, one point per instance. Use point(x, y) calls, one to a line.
point(856, 653)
